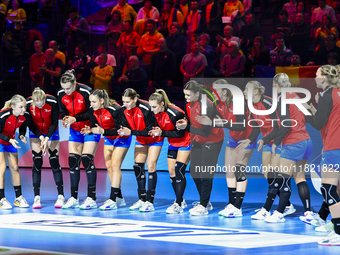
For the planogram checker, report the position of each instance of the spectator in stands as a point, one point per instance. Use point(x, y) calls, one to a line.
point(58, 54)
point(148, 44)
point(163, 69)
point(113, 31)
point(283, 27)
point(301, 8)
point(259, 55)
point(111, 60)
point(51, 72)
point(320, 57)
point(79, 63)
point(208, 52)
point(31, 37)
point(321, 33)
point(233, 64)
point(127, 11)
point(296, 60)
point(101, 75)
point(177, 43)
point(193, 64)
point(194, 25)
point(183, 7)
point(15, 17)
point(168, 16)
point(148, 12)
point(233, 5)
point(281, 55)
point(213, 15)
point(3, 13)
point(36, 60)
point(248, 33)
point(222, 46)
point(298, 37)
point(290, 7)
point(135, 77)
point(333, 58)
point(76, 31)
point(322, 10)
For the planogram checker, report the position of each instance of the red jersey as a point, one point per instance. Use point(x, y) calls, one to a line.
point(293, 129)
point(76, 105)
point(327, 118)
point(140, 120)
point(167, 122)
point(45, 120)
point(9, 123)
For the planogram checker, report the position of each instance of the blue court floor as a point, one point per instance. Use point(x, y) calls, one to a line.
point(56, 231)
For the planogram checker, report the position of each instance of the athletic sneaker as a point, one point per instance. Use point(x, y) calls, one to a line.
point(194, 204)
point(277, 217)
point(36, 203)
point(4, 204)
point(137, 205)
point(88, 204)
point(224, 211)
point(71, 203)
point(147, 207)
point(21, 202)
point(209, 206)
point(328, 227)
point(331, 239)
point(308, 217)
point(317, 222)
point(289, 210)
point(183, 204)
point(60, 201)
point(261, 214)
point(109, 205)
point(174, 208)
point(199, 210)
point(232, 212)
point(120, 202)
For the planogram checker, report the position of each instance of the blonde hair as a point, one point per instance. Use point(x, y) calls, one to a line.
point(229, 94)
point(102, 94)
point(277, 79)
point(258, 86)
point(37, 95)
point(160, 96)
point(13, 101)
point(331, 73)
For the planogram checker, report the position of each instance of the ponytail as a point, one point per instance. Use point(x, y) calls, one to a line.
point(102, 94)
point(160, 96)
point(13, 101)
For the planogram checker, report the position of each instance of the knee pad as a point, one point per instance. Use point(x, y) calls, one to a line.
point(74, 162)
point(87, 160)
point(240, 173)
point(274, 182)
point(285, 186)
point(139, 171)
point(54, 161)
point(180, 170)
point(329, 193)
point(37, 162)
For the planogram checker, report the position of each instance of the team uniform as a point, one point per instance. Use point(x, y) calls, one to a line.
point(140, 120)
point(327, 121)
point(179, 140)
point(206, 145)
point(8, 125)
point(77, 105)
point(110, 120)
point(45, 123)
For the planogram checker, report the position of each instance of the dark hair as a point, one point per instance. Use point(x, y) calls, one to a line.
point(279, 37)
point(150, 21)
point(333, 55)
point(73, 10)
point(130, 22)
point(103, 45)
point(130, 93)
point(283, 12)
point(119, 15)
point(193, 86)
point(81, 47)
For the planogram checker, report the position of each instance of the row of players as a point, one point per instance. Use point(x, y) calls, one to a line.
point(151, 121)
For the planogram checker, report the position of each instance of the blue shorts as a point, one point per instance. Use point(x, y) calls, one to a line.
point(119, 142)
point(8, 148)
point(297, 151)
point(55, 135)
point(151, 144)
point(76, 136)
point(331, 159)
point(232, 143)
point(268, 147)
point(174, 148)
